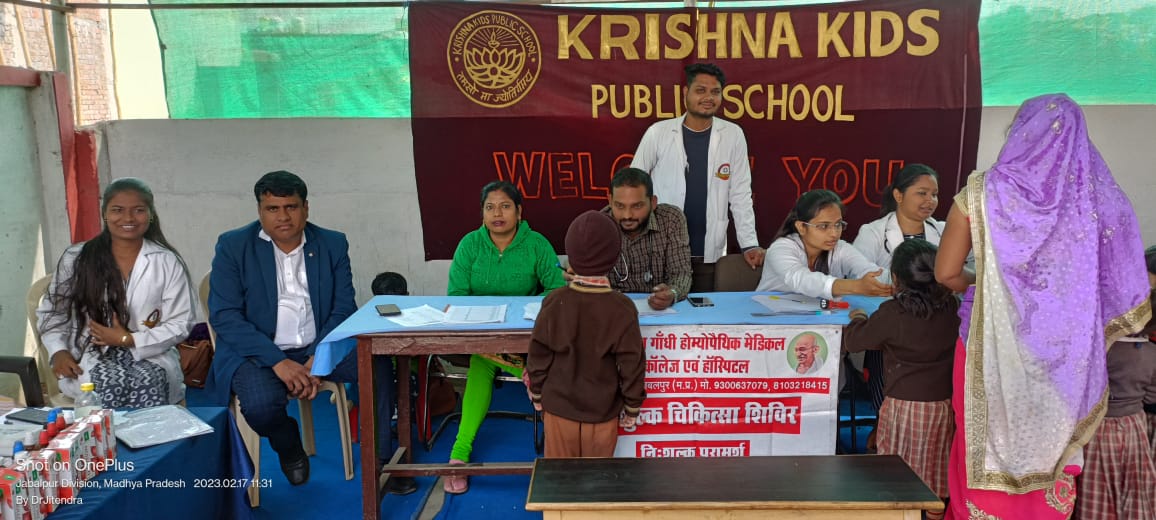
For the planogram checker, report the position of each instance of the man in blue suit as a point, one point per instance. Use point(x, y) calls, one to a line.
point(278, 286)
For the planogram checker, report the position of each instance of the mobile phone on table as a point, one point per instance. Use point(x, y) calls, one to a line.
point(700, 301)
point(388, 309)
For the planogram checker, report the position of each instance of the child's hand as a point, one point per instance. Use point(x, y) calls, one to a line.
point(529, 394)
point(627, 421)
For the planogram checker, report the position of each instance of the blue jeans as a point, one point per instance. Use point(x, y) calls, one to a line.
point(264, 397)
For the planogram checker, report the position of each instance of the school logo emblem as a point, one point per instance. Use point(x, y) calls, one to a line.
point(494, 58)
point(724, 172)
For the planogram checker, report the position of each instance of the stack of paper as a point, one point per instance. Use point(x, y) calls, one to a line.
point(476, 314)
point(531, 310)
point(457, 314)
point(418, 316)
point(645, 310)
point(788, 303)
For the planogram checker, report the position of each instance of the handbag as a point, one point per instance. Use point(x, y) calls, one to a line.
point(196, 359)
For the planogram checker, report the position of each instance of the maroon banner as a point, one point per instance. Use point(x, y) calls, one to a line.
point(555, 100)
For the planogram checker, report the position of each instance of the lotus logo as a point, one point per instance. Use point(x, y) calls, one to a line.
point(494, 58)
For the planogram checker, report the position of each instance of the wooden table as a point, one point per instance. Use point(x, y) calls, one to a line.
point(406, 345)
point(874, 487)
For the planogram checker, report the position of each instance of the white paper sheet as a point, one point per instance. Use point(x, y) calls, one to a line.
point(788, 303)
point(476, 314)
point(530, 311)
point(645, 310)
point(418, 316)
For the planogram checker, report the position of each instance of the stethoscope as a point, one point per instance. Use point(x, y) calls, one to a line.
point(646, 277)
point(891, 216)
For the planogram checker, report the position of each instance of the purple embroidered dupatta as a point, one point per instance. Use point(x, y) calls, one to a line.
point(1062, 276)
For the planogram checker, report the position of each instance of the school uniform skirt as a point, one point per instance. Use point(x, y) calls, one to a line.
point(1119, 478)
point(920, 433)
point(1152, 433)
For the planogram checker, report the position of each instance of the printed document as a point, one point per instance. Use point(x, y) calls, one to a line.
point(476, 314)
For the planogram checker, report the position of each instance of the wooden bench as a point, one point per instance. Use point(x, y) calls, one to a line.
point(875, 487)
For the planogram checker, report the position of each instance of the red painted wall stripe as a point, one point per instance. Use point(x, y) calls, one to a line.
point(88, 221)
point(17, 77)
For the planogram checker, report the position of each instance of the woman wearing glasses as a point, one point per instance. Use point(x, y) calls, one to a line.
point(907, 207)
point(809, 258)
point(503, 257)
point(118, 305)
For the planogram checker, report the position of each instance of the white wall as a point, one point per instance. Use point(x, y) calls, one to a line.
point(20, 210)
point(361, 181)
point(30, 222)
point(359, 173)
point(1124, 136)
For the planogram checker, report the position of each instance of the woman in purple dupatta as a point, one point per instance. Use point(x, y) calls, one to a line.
point(1058, 278)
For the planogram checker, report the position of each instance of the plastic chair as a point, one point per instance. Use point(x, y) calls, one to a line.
point(424, 418)
point(733, 274)
point(43, 363)
point(252, 441)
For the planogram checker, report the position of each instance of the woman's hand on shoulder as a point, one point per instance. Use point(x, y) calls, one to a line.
point(870, 285)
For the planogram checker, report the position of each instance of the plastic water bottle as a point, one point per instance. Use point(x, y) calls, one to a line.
point(89, 401)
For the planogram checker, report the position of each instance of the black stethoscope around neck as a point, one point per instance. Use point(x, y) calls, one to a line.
point(891, 216)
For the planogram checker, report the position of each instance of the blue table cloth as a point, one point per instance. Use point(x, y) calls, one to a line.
point(729, 309)
point(207, 460)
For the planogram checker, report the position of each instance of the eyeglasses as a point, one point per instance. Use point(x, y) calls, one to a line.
point(827, 226)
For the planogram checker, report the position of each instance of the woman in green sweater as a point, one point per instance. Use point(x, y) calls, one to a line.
point(504, 257)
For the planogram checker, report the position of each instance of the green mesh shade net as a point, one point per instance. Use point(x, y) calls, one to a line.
point(354, 62)
point(288, 62)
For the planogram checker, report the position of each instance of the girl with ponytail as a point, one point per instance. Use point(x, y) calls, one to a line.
point(916, 332)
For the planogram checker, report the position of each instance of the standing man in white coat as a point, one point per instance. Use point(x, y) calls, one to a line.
point(699, 163)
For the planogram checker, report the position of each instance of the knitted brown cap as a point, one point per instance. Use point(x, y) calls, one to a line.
point(593, 244)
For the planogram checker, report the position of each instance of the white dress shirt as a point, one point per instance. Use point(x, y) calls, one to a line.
point(295, 326)
point(786, 268)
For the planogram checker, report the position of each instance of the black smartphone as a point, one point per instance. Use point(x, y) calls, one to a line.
point(699, 301)
point(388, 309)
point(30, 415)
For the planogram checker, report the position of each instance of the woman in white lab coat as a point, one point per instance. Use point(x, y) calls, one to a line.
point(118, 306)
point(907, 207)
point(908, 203)
point(809, 258)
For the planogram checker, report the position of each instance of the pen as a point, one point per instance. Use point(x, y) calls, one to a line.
point(792, 313)
point(796, 300)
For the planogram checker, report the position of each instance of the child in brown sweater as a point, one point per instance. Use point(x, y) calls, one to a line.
point(916, 331)
point(586, 364)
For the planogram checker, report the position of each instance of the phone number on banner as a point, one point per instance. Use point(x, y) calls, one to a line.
point(806, 385)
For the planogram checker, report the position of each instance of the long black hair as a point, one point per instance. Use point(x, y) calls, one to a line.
point(913, 273)
point(96, 288)
point(903, 180)
point(1150, 259)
